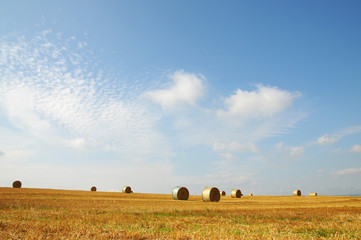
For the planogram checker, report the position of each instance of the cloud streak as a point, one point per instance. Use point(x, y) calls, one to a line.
point(235, 147)
point(356, 148)
point(345, 172)
point(292, 151)
point(329, 140)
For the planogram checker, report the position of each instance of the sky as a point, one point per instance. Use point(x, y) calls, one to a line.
point(262, 96)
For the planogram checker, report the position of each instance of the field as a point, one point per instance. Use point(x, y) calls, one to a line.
point(61, 214)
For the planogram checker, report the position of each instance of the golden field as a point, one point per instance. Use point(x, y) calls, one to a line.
point(63, 214)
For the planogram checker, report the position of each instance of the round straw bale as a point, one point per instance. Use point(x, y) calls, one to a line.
point(127, 189)
point(180, 193)
point(223, 193)
point(313, 194)
point(251, 194)
point(211, 194)
point(236, 193)
point(17, 184)
point(297, 193)
point(93, 189)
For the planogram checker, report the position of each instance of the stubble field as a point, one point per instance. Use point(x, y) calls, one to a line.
point(62, 214)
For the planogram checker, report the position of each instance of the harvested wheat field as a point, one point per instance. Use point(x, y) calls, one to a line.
point(61, 214)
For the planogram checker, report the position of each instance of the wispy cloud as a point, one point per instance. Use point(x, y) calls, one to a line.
point(356, 148)
point(56, 93)
point(296, 151)
point(13, 155)
point(349, 171)
point(227, 155)
point(77, 143)
point(350, 130)
point(19, 104)
point(329, 140)
point(235, 147)
point(292, 151)
point(232, 150)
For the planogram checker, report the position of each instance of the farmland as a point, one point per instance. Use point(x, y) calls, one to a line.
point(62, 214)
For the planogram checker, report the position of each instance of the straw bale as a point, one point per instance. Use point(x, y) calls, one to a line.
point(297, 193)
point(17, 184)
point(236, 193)
point(127, 189)
point(211, 194)
point(93, 189)
point(180, 193)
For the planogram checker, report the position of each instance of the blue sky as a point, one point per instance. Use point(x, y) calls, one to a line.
point(262, 96)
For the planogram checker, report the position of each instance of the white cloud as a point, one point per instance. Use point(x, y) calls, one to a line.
point(187, 89)
point(82, 44)
point(20, 107)
point(328, 140)
point(224, 155)
point(263, 102)
point(235, 147)
point(356, 148)
point(77, 143)
point(54, 93)
point(351, 130)
point(292, 151)
point(296, 151)
point(349, 171)
point(15, 155)
point(279, 146)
